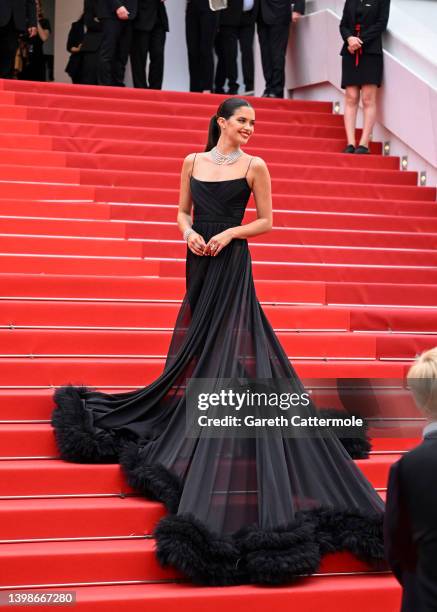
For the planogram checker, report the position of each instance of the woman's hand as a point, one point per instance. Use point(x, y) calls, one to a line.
point(354, 42)
point(217, 243)
point(196, 243)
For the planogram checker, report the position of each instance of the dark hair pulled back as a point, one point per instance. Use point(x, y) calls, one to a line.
point(226, 109)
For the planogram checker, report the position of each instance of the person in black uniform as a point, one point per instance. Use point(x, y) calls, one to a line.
point(15, 16)
point(273, 23)
point(237, 25)
point(410, 522)
point(150, 28)
point(201, 24)
point(91, 44)
point(361, 27)
point(35, 69)
point(116, 17)
point(74, 44)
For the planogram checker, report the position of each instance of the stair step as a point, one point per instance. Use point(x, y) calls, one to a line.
point(17, 313)
point(49, 342)
point(19, 478)
point(379, 593)
point(138, 372)
point(80, 517)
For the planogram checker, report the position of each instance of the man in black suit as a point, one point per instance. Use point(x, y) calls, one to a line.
point(410, 524)
point(16, 16)
point(274, 18)
point(116, 17)
point(237, 25)
point(150, 28)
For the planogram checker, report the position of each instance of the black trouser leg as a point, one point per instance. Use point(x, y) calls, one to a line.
point(8, 49)
point(278, 44)
point(230, 46)
point(108, 49)
point(209, 21)
point(192, 34)
point(138, 57)
point(220, 69)
point(114, 51)
point(246, 34)
point(122, 54)
point(266, 55)
point(156, 50)
point(89, 68)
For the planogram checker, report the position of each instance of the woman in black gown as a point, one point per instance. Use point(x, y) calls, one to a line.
point(361, 28)
point(242, 509)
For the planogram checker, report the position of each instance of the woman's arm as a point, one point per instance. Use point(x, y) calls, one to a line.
point(345, 31)
point(195, 241)
point(380, 25)
point(43, 33)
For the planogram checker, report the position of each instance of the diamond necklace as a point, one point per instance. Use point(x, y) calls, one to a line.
point(222, 158)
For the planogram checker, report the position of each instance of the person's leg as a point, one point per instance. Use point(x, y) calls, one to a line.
point(156, 51)
point(8, 49)
point(368, 98)
point(111, 32)
point(122, 54)
point(192, 35)
point(220, 69)
point(246, 35)
point(209, 21)
point(138, 57)
point(266, 56)
point(351, 99)
point(89, 68)
point(231, 55)
point(278, 44)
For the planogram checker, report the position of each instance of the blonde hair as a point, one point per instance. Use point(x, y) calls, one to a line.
point(422, 378)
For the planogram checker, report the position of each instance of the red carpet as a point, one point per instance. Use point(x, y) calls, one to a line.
point(92, 272)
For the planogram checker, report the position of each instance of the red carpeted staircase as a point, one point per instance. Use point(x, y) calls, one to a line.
point(92, 272)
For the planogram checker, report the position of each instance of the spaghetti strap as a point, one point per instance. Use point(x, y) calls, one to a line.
point(192, 167)
point(248, 167)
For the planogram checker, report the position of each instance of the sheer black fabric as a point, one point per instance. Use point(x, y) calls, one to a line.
point(241, 510)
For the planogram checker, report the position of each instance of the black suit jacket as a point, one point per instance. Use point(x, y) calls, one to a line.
point(374, 23)
point(106, 8)
point(151, 12)
point(410, 525)
point(276, 12)
point(235, 16)
point(22, 11)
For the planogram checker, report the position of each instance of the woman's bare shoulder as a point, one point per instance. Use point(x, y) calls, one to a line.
point(258, 166)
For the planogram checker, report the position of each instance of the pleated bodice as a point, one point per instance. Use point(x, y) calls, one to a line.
point(219, 202)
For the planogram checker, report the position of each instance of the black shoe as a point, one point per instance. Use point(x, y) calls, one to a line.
point(362, 150)
point(349, 149)
point(265, 94)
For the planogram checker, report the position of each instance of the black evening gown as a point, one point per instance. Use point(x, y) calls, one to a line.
point(241, 510)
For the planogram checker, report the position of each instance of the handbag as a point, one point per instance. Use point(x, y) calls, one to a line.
point(218, 5)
